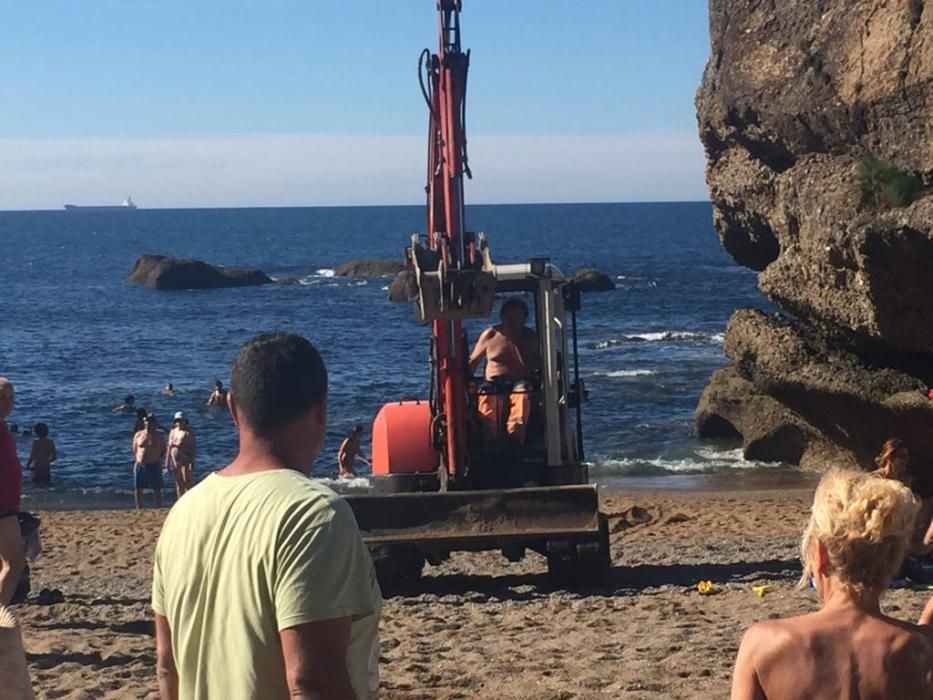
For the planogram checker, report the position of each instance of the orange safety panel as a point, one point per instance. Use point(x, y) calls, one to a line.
point(402, 439)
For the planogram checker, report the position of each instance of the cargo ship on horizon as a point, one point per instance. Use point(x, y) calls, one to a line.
point(126, 205)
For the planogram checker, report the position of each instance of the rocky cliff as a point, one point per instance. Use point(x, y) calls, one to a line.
point(817, 120)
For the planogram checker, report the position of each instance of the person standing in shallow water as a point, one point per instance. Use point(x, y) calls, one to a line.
point(262, 587)
point(855, 541)
point(148, 453)
point(42, 455)
point(350, 451)
point(182, 450)
point(140, 423)
point(218, 397)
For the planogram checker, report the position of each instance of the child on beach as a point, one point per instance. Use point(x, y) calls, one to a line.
point(42, 455)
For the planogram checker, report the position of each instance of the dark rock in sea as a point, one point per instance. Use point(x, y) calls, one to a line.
point(403, 287)
point(811, 115)
point(163, 272)
point(288, 281)
point(369, 267)
point(589, 279)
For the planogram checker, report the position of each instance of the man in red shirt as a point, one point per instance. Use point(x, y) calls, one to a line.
point(12, 557)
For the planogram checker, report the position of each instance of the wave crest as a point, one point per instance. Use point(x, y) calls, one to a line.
point(705, 461)
point(658, 336)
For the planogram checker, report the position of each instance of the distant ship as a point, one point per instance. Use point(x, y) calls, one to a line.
point(127, 204)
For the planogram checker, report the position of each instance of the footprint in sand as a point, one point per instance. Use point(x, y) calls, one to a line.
point(630, 517)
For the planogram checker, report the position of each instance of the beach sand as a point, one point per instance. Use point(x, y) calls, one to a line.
point(478, 627)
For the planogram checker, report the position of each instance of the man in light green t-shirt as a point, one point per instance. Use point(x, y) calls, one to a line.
point(262, 586)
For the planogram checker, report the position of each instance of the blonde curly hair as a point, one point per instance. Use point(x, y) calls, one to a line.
point(865, 524)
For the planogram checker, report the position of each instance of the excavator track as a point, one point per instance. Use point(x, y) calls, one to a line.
point(562, 523)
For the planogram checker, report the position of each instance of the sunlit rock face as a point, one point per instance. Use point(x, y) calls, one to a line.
point(817, 120)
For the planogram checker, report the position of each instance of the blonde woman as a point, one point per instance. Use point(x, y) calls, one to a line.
point(858, 532)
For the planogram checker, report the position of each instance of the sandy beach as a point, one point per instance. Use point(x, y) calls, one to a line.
point(479, 627)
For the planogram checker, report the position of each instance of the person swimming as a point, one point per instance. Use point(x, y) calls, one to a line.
point(129, 403)
point(858, 532)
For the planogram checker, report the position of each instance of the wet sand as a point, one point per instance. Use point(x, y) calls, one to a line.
point(478, 627)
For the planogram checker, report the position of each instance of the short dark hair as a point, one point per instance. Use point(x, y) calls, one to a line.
point(358, 428)
point(513, 304)
point(41, 429)
point(276, 378)
point(129, 399)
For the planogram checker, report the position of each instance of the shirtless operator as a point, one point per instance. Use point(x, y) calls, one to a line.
point(512, 360)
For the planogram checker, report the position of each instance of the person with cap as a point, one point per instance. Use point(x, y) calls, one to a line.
point(179, 458)
point(148, 452)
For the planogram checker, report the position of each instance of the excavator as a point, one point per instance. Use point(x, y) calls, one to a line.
point(442, 481)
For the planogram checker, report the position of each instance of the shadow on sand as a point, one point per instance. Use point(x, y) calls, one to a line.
point(625, 580)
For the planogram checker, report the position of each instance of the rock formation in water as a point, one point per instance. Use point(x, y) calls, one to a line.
point(404, 287)
point(590, 279)
point(370, 267)
point(817, 120)
point(164, 272)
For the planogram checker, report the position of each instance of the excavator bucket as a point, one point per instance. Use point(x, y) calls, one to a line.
point(562, 523)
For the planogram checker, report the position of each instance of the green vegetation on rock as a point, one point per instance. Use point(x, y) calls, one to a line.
point(885, 185)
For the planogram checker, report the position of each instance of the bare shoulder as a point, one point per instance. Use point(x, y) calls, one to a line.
point(770, 638)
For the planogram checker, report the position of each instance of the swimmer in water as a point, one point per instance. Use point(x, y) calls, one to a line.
point(129, 404)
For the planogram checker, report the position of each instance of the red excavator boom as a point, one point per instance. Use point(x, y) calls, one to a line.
point(443, 80)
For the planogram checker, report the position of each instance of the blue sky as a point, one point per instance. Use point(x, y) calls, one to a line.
point(278, 102)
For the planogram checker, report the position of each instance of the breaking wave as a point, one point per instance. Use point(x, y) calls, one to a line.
point(345, 484)
point(623, 373)
point(706, 460)
point(658, 336)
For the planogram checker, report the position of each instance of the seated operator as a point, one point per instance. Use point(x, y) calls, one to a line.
point(512, 361)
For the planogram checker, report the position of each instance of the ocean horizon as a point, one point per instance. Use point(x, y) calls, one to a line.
point(362, 206)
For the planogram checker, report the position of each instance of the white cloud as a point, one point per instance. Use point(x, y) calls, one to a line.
point(324, 169)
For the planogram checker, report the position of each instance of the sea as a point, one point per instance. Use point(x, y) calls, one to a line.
point(76, 338)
